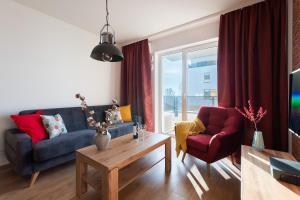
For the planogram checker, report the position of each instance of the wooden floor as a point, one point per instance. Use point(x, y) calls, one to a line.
point(187, 180)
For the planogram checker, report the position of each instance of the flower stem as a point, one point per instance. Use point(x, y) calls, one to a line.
point(255, 125)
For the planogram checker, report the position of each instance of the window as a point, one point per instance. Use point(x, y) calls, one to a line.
point(206, 77)
point(188, 80)
point(206, 93)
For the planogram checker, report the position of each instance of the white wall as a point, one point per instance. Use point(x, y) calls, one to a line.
point(195, 35)
point(44, 62)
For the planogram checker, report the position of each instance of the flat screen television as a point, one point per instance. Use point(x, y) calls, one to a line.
point(294, 116)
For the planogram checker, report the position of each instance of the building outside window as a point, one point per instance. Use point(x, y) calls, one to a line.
point(206, 77)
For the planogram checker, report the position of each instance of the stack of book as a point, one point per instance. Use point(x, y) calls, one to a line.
point(285, 170)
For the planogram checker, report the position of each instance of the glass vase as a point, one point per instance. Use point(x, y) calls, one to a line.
point(258, 141)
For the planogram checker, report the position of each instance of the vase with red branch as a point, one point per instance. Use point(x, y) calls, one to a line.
point(254, 117)
point(102, 136)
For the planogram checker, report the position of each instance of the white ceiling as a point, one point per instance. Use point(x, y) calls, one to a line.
point(131, 19)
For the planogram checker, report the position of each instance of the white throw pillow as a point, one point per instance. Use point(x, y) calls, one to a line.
point(114, 116)
point(54, 125)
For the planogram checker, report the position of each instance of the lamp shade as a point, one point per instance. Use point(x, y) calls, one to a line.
point(107, 52)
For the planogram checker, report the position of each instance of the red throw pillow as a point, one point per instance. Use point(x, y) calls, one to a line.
point(31, 125)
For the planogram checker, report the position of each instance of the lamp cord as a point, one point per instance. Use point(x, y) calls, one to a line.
point(107, 13)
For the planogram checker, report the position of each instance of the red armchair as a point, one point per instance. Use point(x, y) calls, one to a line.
point(221, 138)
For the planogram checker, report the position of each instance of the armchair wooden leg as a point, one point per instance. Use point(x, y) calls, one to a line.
point(183, 157)
point(34, 176)
point(232, 159)
point(208, 169)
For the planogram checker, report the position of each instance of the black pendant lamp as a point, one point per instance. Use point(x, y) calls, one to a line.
point(106, 50)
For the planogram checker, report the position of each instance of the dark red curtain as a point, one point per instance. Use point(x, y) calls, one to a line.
point(252, 64)
point(136, 88)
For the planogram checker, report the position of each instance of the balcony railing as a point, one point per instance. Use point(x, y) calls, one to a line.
point(173, 109)
point(174, 103)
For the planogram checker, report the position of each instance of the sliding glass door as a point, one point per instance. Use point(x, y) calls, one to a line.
point(188, 80)
point(171, 90)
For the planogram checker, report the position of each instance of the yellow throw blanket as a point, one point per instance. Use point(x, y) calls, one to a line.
point(183, 130)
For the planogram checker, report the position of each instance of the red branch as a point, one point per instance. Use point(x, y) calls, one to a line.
point(249, 113)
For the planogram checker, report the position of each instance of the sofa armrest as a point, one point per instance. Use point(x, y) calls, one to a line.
point(224, 144)
point(18, 150)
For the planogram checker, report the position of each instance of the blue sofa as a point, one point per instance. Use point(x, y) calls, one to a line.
point(28, 159)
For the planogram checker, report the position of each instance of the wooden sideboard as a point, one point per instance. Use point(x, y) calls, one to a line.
point(257, 182)
point(296, 146)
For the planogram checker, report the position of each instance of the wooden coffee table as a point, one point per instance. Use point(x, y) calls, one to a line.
point(123, 152)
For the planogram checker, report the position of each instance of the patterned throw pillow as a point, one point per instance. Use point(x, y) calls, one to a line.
point(54, 125)
point(113, 116)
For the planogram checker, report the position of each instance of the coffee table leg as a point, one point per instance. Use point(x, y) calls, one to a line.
point(81, 170)
point(110, 185)
point(168, 156)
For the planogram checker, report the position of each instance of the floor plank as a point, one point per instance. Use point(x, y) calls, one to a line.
point(187, 180)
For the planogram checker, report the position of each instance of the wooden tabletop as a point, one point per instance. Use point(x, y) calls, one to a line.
point(257, 182)
point(122, 150)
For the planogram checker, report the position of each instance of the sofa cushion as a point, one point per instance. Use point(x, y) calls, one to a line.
point(99, 115)
point(113, 116)
point(54, 125)
point(199, 142)
point(121, 129)
point(62, 144)
point(126, 113)
point(32, 125)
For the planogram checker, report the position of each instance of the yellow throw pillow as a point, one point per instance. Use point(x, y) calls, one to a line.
point(126, 113)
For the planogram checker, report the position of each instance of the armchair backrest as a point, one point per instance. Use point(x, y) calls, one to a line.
point(217, 119)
